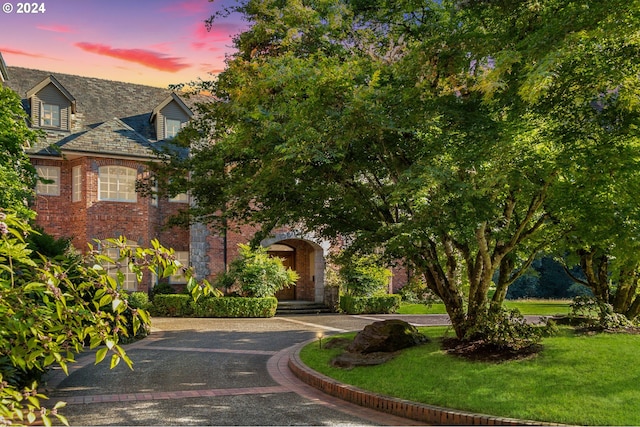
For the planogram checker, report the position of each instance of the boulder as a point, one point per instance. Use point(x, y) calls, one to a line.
point(386, 336)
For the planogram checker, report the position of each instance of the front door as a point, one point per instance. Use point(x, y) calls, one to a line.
point(289, 261)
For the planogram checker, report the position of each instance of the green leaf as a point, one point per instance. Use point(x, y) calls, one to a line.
point(115, 359)
point(101, 354)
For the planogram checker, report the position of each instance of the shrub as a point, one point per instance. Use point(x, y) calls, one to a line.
point(506, 330)
point(172, 305)
point(363, 276)
point(417, 292)
point(370, 305)
point(235, 307)
point(162, 288)
point(256, 274)
point(590, 312)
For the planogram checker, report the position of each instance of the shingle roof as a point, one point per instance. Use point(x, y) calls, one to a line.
point(114, 116)
point(111, 137)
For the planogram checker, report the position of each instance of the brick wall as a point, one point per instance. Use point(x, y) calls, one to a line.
point(91, 218)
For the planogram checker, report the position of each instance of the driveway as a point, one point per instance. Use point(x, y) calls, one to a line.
point(214, 372)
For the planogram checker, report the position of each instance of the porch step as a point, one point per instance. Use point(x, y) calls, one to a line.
point(301, 307)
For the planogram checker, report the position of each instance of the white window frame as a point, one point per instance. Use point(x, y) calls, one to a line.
point(170, 132)
point(76, 184)
point(50, 115)
point(117, 184)
point(183, 258)
point(49, 173)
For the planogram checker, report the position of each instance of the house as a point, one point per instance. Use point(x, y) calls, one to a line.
point(99, 135)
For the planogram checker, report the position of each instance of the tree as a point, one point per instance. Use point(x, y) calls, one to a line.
point(17, 175)
point(426, 131)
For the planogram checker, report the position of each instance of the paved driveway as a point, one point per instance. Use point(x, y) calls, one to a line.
point(214, 372)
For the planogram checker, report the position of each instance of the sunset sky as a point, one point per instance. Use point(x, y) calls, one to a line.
point(151, 42)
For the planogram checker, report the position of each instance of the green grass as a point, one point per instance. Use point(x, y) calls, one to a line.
point(576, 379)
point(527, 307)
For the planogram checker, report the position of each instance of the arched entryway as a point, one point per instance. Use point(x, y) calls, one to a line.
point(306, 258)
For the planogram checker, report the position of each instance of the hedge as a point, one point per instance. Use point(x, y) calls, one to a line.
point(172, 305)
point(370, 305)
point(181, 305)
point(235, 307)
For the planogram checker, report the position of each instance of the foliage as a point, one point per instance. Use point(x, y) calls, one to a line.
point(363, 276)
point(416, 291)
point(235, 307)
point(506, 330)
point(461, 137)
point(256, 274)
point(138, 300)
point(172, 305)
point(592, 313)
point(51, 308)
point(162, 288)
point(17, 175)
point(547, 279)
point(380, 304)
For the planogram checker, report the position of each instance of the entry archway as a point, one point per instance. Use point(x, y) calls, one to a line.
point(307, 258)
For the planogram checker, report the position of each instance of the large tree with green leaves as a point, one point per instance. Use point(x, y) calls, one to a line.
point(450, 134)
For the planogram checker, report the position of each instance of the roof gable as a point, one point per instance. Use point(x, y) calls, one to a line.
point(169, 99)
point(50, 80)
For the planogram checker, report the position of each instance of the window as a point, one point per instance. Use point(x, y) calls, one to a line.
point(172, 127)
point(183, 258)
point(180, 198)
point(130, 281)
point(117, 183)
point(50, 115)
point(50, 173)
point(76, 184)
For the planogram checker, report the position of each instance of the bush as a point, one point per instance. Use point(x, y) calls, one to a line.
point(172, 305)
point(417, 292)
point(382, 304)
point(592, 313)
point(363, 276)
point(506, 330)
point(162, 288)
point(256, 274)
point(235, 307)
point(138, 300)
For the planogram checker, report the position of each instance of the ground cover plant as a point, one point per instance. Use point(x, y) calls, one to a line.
point(575, 379)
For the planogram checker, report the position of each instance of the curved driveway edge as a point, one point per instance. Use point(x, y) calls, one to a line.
point(427, 414)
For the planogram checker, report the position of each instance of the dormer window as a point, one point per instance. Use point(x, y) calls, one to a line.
point(50, 116)
point(52, 106)
point(172, 127)
point(170, 116)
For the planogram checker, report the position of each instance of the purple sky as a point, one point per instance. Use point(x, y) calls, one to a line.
point(151, 42)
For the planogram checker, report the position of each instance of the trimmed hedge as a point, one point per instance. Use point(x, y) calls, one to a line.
point(235, 307)
point(172, 305)
point(181, 305)
point(383, 304)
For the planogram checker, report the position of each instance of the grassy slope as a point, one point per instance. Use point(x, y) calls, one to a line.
point(580, 380)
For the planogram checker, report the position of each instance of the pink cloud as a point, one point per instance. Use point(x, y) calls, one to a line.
point(21, 52)
point(144, 57)
point(55, 28)
point(188, 7)
point(219, 33)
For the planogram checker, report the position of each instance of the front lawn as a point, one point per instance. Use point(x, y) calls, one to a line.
point(576, 379)
point(526, 307)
